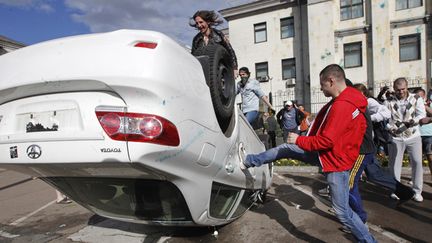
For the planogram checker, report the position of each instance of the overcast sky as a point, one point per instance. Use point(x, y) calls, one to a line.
point(33, 21)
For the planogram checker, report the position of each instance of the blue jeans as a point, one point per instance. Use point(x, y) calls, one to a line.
point(284, 150)
point(339, 191)
point(251, 116)
point(355, 200)
point(338, 182)
point(376, 174)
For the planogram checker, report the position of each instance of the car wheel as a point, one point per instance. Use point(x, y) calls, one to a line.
point(220, 81)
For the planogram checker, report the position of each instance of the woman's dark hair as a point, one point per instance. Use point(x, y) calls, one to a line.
point(211, 17)
point(362, 88)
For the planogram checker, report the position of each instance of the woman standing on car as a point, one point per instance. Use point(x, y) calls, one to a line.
point(205, 21)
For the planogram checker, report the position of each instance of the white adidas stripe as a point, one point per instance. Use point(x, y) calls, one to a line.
point(355, 113)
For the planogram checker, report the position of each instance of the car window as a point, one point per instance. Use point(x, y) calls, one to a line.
point(244, 205)
point(222, 200)
point(131, 198)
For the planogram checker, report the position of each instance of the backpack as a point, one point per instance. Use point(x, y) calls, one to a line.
point(381, 135)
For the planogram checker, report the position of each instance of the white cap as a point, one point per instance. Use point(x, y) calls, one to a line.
point(288, 103)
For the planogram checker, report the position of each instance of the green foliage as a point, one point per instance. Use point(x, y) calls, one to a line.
point(289, 162)
point(405, 162)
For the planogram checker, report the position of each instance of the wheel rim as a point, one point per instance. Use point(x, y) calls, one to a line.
point(224, 86)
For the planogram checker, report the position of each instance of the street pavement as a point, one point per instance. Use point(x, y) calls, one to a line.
point(292, 212)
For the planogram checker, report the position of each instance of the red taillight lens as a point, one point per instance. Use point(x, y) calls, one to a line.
point(151, 127)
point(138, 127)
point(111, 123)
point(149, 45)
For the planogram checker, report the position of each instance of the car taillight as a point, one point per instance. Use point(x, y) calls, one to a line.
point(151, 127)
point(137, 127)
point(150, 45)
point(111, 123)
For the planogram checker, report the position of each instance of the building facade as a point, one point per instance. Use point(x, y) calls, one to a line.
point(286, 43)
point(8, 45)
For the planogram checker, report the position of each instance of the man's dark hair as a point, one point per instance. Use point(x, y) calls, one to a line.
point(244, 69)
point(333, 70)
point(349, 83)
point(211, 17)
point(418, 90)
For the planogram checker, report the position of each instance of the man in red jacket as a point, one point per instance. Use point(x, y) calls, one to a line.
point(333, 141)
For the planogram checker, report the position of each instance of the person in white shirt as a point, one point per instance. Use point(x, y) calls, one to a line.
point(406, 112)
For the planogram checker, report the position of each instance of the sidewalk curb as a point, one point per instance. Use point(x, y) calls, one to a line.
point(315, 169)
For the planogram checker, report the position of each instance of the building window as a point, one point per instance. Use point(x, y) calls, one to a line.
point(353, 55)
point(260, 32)
point(287, 27)
point(288, 68)
point(351, 9)
point(261, 70)
point(409, 47)
point(405, 4)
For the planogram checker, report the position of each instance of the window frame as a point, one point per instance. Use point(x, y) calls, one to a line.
point(292, 60)
point(350, 7)
point(360, 51)
point(256, 31)
point(418, 45)
point(407, 4)
point(260, 78)
point(289, 24)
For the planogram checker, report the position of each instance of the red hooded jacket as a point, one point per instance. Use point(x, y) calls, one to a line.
point(337, 131)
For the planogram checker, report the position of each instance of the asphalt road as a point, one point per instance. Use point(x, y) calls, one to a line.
point(293, 212)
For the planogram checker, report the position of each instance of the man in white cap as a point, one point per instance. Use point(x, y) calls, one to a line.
point(287, 119)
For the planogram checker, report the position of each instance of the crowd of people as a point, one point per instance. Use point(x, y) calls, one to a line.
point(344, 136)
point(341, 141)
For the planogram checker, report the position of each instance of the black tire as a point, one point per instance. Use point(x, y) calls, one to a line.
point(221, 82)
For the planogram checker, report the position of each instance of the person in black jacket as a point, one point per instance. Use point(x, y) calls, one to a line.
point(205, 21)
point(289, 119)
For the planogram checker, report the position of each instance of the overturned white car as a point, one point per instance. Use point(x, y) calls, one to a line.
point(129, 125)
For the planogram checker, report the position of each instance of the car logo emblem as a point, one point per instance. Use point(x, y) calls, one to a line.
point(34, 151)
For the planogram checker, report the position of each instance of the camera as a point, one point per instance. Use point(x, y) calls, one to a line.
point(390, 95)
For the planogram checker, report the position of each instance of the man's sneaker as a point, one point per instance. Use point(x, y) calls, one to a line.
point(418, 198)
point(325, 191)
point(242, 156)
point(404, 193)
point(394, 196)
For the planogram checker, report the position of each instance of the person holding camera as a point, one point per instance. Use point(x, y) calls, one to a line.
point(406, 112)
point(386, 94)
